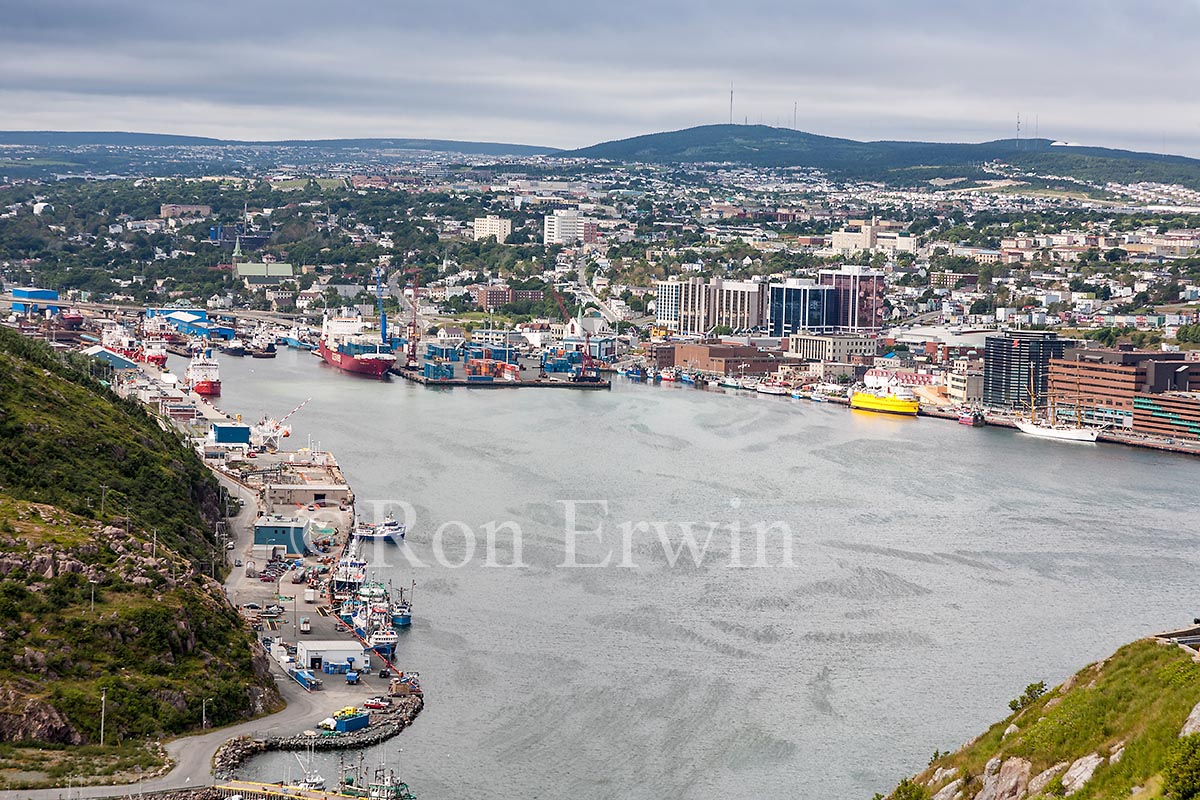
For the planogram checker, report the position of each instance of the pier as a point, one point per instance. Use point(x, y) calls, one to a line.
point(534, 383)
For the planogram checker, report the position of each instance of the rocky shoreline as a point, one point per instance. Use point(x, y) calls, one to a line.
point(234, 752)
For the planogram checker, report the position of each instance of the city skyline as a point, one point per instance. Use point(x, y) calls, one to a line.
point(546, 75)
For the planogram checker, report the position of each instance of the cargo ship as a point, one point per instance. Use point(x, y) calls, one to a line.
point(343, 346)
point(203, 375)
point(893, 400)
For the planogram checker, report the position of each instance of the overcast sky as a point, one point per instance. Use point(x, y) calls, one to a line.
point(568, 74)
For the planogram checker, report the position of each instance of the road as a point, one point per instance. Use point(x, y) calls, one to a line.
point(262, 316)
point(193, 754)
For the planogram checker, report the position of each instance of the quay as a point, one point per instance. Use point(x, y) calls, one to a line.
point(533, 383)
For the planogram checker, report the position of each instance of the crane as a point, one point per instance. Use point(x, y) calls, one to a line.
point(587, 372)
point(414, 326)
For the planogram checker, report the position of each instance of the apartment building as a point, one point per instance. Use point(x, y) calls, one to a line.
point(696, 307)
point(569, 227)
point(873, 236)
point(835, 347)
point(492, 225)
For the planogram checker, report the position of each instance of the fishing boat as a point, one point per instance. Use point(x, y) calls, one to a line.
point(748, 383)
point(773, 387)
point(261, 345)
point(203, 375)
point(390, 530)
point(713, 382)
point(730, 382)
point(971, 417)
point(687, 377)
point(799, 393)
point(312, 779)
point(889, 400)
point(401, 608)
point(232, 347)
point(293, 337)
point(349, 573)
point(669, 375)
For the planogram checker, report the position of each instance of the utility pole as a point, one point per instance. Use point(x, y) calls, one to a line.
point(103, 709)
point(103, 494)
point(93, 583)
point(204, 713)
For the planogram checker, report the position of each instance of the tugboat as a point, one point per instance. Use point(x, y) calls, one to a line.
point(974, 418)
point(233, 347)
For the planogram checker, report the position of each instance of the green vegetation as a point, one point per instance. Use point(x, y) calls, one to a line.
point(67, 441)
point(894, 162)
point(104, 521)
point(1134, 702)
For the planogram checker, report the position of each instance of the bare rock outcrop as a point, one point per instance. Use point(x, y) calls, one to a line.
point(1040, 781)
point(1191, 725)
point(25, 719)
point(1081, 771)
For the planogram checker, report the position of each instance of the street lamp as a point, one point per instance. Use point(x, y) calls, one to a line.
point(204, 713)
point(93, 582)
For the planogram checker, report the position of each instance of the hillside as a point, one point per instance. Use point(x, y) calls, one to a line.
point(894, 162)
point(160, 638)
point(131, 139)
point(1110, 731)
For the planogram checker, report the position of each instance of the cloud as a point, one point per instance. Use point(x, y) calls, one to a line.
point(560, 74)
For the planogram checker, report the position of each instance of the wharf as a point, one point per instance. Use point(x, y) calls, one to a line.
point(534, 383)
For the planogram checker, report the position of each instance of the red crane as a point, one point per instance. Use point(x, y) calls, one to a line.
point(587, 368)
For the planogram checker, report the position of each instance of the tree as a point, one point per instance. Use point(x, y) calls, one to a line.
point(1181, 777)
point(909, 790)
point(1115, 255)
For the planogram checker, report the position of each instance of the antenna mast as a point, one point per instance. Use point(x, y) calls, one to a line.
point(731, 102)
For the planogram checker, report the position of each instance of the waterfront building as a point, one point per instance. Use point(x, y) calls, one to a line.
point(835, 347)
point(717, 357)
point(860, 295)
point(1172, 414)
point(1103, 384)
point(492, 225)
point(801, 305)
point(1016, 360)
point(569, 227)
point(964, 383)
point(280, 536)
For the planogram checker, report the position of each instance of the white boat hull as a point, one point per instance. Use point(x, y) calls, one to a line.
point(1063, 434)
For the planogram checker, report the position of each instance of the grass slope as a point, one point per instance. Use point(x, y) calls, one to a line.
point(1139, 696)
point(63, 437)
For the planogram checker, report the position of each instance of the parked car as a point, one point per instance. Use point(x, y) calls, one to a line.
point(237, 562)
point(377, 703)
point(252, 606)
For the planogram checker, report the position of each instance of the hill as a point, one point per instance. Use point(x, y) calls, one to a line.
point(128, 139)
point(889, 161)
point(1113, 730)
point(105, 598)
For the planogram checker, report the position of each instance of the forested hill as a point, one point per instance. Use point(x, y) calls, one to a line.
point(105, 550)
point(764, 146)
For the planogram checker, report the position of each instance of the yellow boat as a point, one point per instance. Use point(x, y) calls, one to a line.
point(894, 401)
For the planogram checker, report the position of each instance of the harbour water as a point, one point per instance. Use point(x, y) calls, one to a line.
point(937, 570)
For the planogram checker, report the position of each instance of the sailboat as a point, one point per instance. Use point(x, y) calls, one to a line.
point(1049, 428)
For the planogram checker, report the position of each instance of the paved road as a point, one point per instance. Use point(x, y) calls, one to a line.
point(193, 754)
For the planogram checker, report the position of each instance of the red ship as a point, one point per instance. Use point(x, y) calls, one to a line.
point(203, 374)
point(343, 346)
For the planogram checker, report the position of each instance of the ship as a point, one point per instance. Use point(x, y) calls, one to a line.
point(70, 319)
point(1050, 428)
point(232, 347)
point(203, 375)
point(1064, 433)
point(773, 387)
point(892, 400)
point(669, 375)
point(261, 345)
point(973, 418)
point(389, 531)
point(153, 351)
point(342, 345)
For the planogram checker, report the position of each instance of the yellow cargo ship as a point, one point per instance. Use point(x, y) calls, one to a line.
point(897, 401)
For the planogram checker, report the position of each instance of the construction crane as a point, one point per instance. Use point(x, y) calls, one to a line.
point(587, 372)
point(268, 432)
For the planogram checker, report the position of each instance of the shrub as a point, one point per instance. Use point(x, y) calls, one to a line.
point(1181, 778)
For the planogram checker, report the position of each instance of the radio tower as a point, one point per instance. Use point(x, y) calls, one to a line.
point(1018, 130)
point(731, 102)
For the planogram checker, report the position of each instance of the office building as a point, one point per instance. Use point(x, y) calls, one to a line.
point(492, 225)
point(1103, 384)
point(1016, 362)
point(569, 227)
point(1172, 414)
point(696, 307)
point(666, 304)
point(835, 347)
point(799, 305)
point(860, 294)
point(716, 357)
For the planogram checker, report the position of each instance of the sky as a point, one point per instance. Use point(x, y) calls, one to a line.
point(567, 74)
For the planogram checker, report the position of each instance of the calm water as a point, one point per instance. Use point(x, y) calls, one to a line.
point(938, 570)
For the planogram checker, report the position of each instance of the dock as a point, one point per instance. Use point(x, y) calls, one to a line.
point(535, 383)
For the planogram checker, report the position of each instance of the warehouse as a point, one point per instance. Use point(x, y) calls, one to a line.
point(339, 653)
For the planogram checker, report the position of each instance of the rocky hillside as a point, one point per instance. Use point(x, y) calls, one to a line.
point(94, 602)
point(1125, 727)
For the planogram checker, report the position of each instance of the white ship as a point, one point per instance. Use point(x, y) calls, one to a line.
point(1065, 433)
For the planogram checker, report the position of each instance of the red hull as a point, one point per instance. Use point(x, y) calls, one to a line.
point(208, 388)
point(375, 367)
